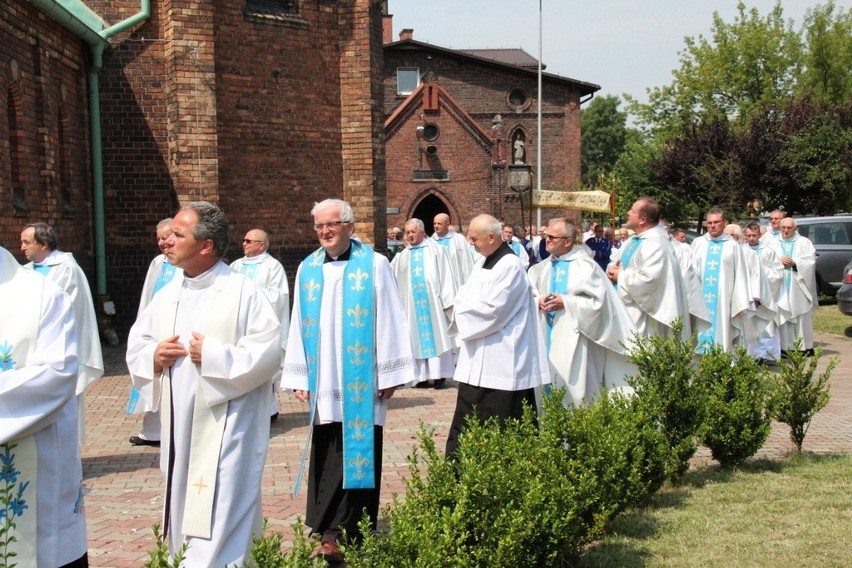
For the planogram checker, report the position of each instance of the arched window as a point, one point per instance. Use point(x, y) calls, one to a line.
point(16, 151)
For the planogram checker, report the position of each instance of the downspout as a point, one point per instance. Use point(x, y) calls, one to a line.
point(76, 17)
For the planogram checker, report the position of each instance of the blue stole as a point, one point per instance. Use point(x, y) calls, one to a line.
point(422, 313)
point(710, 290)
point(787, 249)
point(447, 243)
point(42, 269)
point(358, 355)
point(167, 272)
point(558, 285)
point(249, 270)
point(515, 246)
point(630, 250)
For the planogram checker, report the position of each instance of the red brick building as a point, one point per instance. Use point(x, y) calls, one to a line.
point(452, 122)
point(263, 106)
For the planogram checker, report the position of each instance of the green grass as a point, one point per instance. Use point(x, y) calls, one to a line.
point(789, 513)
point(829, 319)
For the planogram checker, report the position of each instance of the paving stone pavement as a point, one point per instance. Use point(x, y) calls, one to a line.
point(124, 488)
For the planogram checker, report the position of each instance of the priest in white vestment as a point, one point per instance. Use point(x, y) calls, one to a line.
point(766, 274)
point(261, 267)
point(160, 272)
point(799, 297)
point(514, 244)
point(204, 352)
point(40, 455)
point(721, 293)
point(773, 232)
point(456, 247)
point(586, 326)
point(348, 351)
point(647, 276)
point(38, 243)
point(502, 357)
point(427, 288)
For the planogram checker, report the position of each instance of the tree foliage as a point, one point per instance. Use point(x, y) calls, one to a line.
point(604, 133)
point(827, 75)
point(747, 64)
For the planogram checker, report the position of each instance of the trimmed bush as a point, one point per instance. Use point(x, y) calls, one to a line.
point(667, 397)
point(797, 394)
point(737, 413)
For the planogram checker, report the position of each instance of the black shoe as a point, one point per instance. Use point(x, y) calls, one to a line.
point(137, 441)
point(439, 383)
point(273, 418)
point(422, 385)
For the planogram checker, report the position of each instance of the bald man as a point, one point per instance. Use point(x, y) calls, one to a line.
point(502, 357)
point(799, 297)
point(456, 247)
point(261, 267)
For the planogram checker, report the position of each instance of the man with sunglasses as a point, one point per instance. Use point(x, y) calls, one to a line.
point(265, 271)
point(586, 327)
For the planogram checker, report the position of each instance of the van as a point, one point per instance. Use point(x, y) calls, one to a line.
point(832, 239)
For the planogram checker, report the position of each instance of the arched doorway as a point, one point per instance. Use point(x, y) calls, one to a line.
point(426, 210)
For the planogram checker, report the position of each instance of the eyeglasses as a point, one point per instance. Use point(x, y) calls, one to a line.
point(329, 225)
point(249, 241)
point(547, 237)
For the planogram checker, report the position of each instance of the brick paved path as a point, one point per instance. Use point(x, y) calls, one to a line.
point(124, 494)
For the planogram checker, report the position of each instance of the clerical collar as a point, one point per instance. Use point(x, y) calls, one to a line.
point(344, 256)
point(255, 259)
point(503, 250)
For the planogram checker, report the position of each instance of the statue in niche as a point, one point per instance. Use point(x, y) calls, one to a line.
point(519, 149)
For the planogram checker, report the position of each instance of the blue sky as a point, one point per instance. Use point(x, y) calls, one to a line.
point(621, 45)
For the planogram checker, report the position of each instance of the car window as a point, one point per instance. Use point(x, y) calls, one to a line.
point(828, 233)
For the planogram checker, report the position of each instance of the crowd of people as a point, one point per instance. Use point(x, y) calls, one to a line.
point(502, 311)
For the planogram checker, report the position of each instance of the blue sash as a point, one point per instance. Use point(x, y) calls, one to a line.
point(42, 269)
point(167, 272)
point(558, 285)
point(515, 246)
point(357, 357)
point(630, 250)
point(787, 249)
point(249, 270)
point(422, 312)
point(447, 243)
point(710, 290)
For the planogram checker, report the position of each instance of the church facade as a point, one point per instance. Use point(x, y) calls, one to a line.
point(457, 122)
point(263, 106)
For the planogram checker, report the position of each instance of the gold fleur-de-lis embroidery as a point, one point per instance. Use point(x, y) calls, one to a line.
point(308, 324)
point(310, 288)
point(712, 264)
point(357, 350)
point(317, 258)
point(357, 386)
point(560, 272)
point(359, 426)
point(711, 280)
point(417, 270)
point(358, 276)
point(359, 463)
point(357, 313)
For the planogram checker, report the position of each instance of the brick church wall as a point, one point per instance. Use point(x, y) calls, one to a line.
point(43, 88)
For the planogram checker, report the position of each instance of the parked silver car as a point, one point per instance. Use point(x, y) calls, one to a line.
point(832, 239)
point(844, 295)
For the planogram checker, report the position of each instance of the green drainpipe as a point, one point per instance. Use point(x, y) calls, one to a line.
point(76, 17)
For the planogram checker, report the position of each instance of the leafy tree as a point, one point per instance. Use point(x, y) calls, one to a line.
point(798, 156)
point(701, 166)
point(745, 65)
point(828, 56)
point(604, 133)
